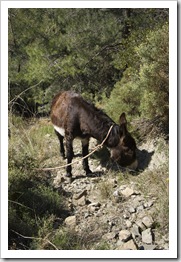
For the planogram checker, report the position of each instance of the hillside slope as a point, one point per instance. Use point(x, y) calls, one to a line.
point(113, 209)
point(121, 209)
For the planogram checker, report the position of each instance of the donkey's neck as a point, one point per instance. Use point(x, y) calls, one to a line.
point(99, 128)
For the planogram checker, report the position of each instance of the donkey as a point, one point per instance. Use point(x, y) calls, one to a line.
point(73, 117)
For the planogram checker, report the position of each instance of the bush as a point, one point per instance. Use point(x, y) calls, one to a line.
point(143, 90)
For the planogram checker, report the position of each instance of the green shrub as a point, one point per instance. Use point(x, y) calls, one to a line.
point(102, 246)
point(143, 91)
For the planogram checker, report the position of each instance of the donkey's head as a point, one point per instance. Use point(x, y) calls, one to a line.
point(125, 152)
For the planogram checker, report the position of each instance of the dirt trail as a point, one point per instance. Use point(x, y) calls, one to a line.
point(120, 209)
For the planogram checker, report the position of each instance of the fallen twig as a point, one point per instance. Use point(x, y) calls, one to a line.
point(36, 238)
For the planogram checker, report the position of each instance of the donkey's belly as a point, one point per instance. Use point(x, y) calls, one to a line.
point(79, 135)
point(60, 130)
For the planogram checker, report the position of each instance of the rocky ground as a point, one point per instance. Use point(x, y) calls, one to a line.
point(117, 208)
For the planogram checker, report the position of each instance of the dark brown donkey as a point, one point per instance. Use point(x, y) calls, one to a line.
point(73, 117)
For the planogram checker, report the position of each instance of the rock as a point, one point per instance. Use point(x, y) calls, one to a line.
point(68, 180)
point(130, 245)
point(71, 221)
point(110, 236)
point(128, 224)
point(92, 209)
point(112, 182)
point(133, 217)
point(132, 210)
point(148, 221)
point(58, 180)
point(147, 236)
point(122, 187)
point(111, 223)
point(140, 225)
point(81, 201)
point(117, 196)
point(124, 235)
point(140, 208)
point(94, 206)
point(149, 247)
point(79, 195)
point(116, 193)
point(148, 204)
point(86, 215)
point(139, 198)
point(137, 193)
point(135, 230)
point(126, 215)
point(119, 243)
point(127, 192)
point(124, 210)
point(99, 213)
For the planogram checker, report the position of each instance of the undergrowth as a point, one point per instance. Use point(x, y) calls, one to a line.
point(37, 210)
point(33, 204)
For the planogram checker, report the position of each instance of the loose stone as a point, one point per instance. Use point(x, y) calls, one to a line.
point(140, 208)
point(148, 221)
point(132, 210)
point(147, 236)
point(71, 221)
point(130, 245)
point(135, 230)
point(127, 192)
point(81, 201)
point(124, 235)
point(126, 215)
point(128, 224)
point(86, 215)
point(148, 204)
point(149, 247)
point(140, 225)
point(109, 236)
point(81, 194)
point(116, 193)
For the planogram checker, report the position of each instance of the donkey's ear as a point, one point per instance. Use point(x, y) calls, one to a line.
point(122, 119)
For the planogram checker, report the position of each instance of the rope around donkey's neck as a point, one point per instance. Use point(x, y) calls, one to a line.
point(76, 161)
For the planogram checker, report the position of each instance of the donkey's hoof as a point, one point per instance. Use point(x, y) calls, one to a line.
point(68, 178)
point(89, 173)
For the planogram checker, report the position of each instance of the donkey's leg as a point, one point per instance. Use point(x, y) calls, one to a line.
point(85, 151)
point(62, 149)
point(70, 153)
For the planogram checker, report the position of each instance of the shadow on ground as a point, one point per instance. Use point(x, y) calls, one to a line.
point(144, 157)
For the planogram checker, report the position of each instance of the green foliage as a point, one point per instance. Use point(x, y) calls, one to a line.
point(60, 46)
point(154, 74)
point(31, 200)
point(125, 97)
point(144, 88)
point(102, 246)
point(86, 50)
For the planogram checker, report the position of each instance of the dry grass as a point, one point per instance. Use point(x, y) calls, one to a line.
point(34, 144)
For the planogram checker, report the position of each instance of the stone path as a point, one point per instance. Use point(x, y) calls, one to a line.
point(111, 212)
